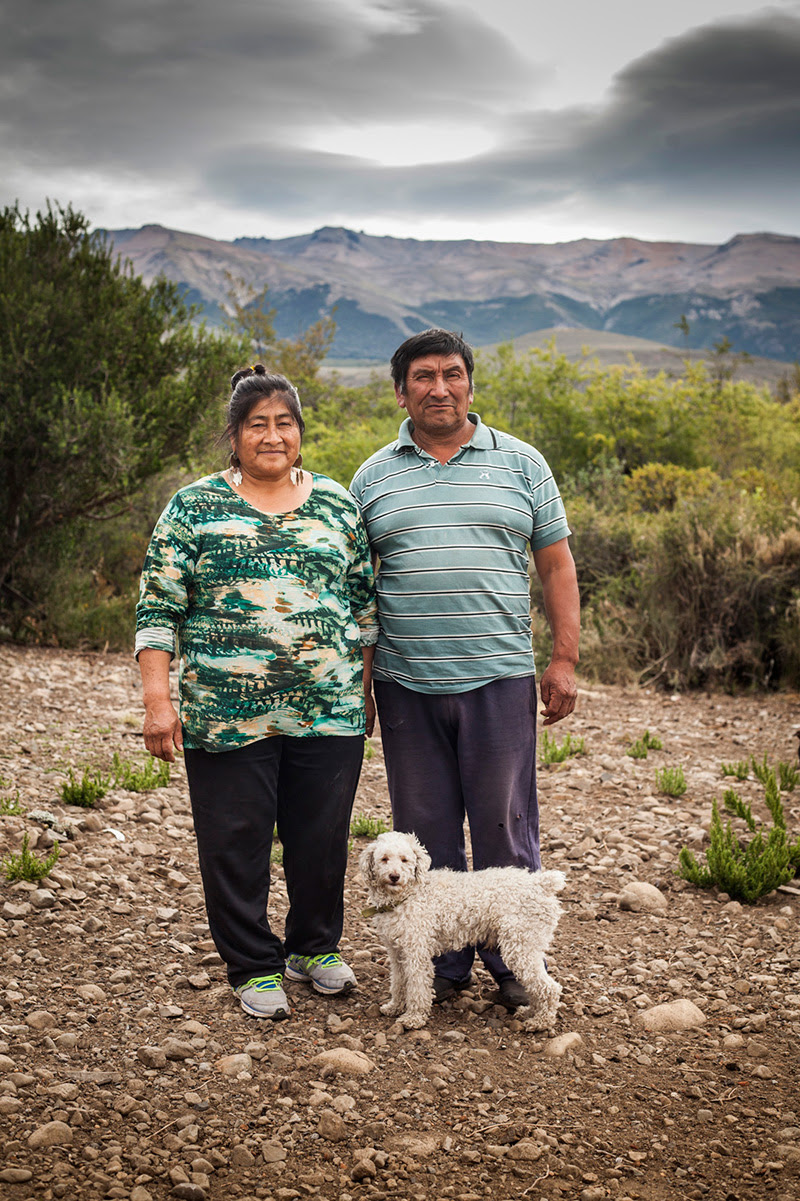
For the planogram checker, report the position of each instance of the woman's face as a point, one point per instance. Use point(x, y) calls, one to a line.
point(268, 442)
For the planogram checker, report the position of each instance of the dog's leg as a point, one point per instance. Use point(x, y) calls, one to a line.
point(418, 969)
point(397, 997)
point(542, 989)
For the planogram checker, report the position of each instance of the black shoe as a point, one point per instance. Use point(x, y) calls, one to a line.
point(445, 989)
point(512, 994)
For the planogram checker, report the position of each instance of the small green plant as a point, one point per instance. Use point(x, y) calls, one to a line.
point(369, 749)
point(276, 854)
point(639, 748)
point(671, 781)
point(367, 827)
point(745, 871)
point(85, 792)
point(551, 752)
point(788, 777)
point(740, 770)
point(152, 774)
point(761, 769)
point(10, 806)
point(26, 865)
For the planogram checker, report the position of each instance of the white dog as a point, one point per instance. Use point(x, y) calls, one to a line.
point(419, 913)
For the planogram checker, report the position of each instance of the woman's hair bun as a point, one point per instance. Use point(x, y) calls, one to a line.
point(256, 369)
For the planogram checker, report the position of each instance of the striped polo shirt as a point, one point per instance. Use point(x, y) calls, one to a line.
point(453, 538)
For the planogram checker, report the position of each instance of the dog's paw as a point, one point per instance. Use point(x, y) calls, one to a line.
point(536, 1023)
point(390, 1010)
point(413, 1021)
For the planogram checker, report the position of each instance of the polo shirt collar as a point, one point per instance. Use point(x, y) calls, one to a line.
point(481, 439)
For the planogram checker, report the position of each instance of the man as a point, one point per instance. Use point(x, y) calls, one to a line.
point(451, 508)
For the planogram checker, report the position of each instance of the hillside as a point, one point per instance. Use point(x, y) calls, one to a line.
point(127, 1069)
point(384, 289)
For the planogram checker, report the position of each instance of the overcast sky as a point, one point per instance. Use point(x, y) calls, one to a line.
point(505, 119)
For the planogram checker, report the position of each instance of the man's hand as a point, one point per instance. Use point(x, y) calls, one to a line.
point(369, 705)
point(559, 691)
point(162, 730)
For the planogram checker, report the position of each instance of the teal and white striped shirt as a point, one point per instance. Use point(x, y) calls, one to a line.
point(452, 538)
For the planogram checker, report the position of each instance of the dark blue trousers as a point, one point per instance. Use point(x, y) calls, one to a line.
point(306, 787)
point(473, 754)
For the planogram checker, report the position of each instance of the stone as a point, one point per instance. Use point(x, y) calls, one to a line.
point(640, 897)
point(682, 1014)
point(91, 992)
point(40, 1019)
point(52, 1134)
point(331, 1126)
point(340, 1059)
point(273, 1153)
point(15, 1175)
point(188, 1192)
point(563, 1044)
point(242, 1157)
point(526, 1149)
point(232, 1065)
point(152, 1057)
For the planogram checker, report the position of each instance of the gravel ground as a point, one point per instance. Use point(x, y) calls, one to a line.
point(128, 1071)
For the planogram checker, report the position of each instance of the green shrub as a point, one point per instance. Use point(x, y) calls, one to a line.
point(551, 752)
point(10, 806)
point(367, 827)
point(671, 781)
point(369, 749)
point(745, 870)
point(85, 792)
point(27, 866)
point(639, 748)
point(152, 774)
point(788, 776)
point(740, 770)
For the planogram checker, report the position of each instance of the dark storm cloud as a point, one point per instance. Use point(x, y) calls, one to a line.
point(147, 83)
point(707, 113)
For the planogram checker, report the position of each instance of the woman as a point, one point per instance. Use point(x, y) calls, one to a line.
point(259, 578)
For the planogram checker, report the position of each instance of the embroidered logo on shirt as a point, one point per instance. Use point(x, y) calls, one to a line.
point(485, 475)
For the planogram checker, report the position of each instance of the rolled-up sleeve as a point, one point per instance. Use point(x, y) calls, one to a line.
point(165, 588)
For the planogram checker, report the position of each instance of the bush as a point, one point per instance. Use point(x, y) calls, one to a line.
point(26, 865)
point(639, 748)
point(551, 752)
point(152, 774)
point(85, 792)
point(671, 781)
point(745, 870)
point(367, 827)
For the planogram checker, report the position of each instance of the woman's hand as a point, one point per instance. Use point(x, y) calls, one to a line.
point(162, 730)
point(369, 705)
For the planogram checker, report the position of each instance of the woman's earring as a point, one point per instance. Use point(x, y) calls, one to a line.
point(297, 470)
point(236, 471)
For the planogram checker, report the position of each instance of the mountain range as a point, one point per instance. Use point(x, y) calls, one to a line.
point(383, 289)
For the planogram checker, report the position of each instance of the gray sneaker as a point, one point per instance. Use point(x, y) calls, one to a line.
point(326, 973)
point(263, 997)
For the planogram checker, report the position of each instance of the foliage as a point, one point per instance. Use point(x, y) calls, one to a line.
point(551, 752)
point(741, 769)
point(85, 792)
point(103, 380)
point(369, 749)
point(761, 769)
point(367, 827)
point(745, 870)
point(10, 806)
point(640, 746)
point(152, 774)
point(28, 866)
point(671, 781)
point(788, 776)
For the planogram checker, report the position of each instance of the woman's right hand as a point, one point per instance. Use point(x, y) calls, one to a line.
point(162, 730)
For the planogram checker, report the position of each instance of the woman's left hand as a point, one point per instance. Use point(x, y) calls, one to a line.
point(369, 705)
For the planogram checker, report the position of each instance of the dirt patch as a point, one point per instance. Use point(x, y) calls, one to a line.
point(128, 1071)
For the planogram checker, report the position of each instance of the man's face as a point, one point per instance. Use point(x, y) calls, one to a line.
point(437, 394)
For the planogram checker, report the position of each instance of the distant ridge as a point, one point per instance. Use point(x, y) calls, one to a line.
point(384, 288)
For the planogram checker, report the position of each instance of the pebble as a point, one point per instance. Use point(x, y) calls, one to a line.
point(641, 897)
point(40, 1019)
point(52, 1134)
point(331, 1126)
point(341, 1059)
point(233, 1065)
point(682, 1014)
point(15, 1175)
point(562, 1044)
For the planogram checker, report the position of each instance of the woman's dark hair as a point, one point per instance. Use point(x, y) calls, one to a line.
point(248, 387)
point(429, 341)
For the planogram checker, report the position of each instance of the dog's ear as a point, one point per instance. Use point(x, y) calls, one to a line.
point(422, 860)
point(366, 863)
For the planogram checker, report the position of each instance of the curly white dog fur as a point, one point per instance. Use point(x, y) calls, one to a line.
point(419, 913)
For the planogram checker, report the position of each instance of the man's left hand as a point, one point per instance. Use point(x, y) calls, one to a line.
point(559, 692)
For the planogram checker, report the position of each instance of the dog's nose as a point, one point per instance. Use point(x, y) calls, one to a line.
point(394, 877)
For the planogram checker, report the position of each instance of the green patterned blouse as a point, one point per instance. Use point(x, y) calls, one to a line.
point(267, 612)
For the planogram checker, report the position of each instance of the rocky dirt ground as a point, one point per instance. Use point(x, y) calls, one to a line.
point(128, 1071)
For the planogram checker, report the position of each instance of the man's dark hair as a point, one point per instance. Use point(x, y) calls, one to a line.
point(429, 341)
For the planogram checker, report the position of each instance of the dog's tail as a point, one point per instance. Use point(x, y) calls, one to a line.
point(551, 881)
